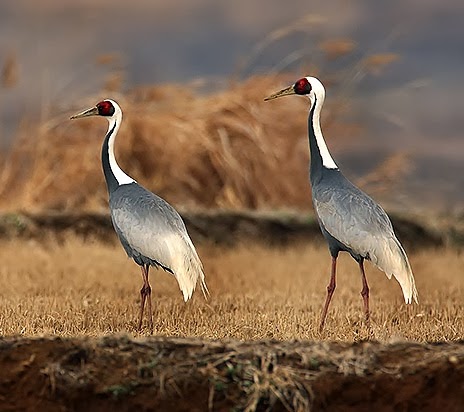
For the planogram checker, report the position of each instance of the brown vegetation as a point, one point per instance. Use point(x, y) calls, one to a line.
point(376, 63)
point(9, 75)
point(229, 149)
point(335, 48)
point(87, 288)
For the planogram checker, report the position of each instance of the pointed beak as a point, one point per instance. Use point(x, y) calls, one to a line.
point(93, 111)
point(284, 92)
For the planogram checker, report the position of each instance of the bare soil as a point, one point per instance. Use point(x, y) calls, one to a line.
point(152, 374)
point(72, 294)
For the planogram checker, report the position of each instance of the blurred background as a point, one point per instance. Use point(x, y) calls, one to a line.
point(191, 76)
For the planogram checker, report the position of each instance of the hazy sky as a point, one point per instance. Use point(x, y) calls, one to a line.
point(415, 104)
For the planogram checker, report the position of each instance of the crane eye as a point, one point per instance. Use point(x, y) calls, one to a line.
point(105, 108)
point(302, 86)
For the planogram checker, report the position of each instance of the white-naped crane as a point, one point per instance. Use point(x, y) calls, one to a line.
point(349, 219)
point(150, 229)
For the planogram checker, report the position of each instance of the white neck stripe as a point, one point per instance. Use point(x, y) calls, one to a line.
point(327, 160)
point(120, 176)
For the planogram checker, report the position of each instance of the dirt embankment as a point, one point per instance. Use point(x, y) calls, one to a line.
point(117, 373)
point(220, 227)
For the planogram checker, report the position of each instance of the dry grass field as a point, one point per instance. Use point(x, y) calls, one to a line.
point(69, 300)
point(79, 288)
point(68, 310)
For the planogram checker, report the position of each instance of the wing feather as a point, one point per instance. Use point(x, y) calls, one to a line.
point(359, 223)
point(153, 229)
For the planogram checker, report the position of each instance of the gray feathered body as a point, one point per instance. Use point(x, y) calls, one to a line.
point(153, 233)
point(351, 221)
point(150, 230)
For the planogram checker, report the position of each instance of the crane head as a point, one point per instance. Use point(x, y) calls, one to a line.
point(106, 108)
point(306, 86)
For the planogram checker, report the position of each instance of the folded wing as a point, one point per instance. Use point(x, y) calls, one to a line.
point(151, 231)
point(359, 223)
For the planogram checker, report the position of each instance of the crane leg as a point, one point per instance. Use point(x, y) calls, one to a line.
point(145, 293)
point(365, 293)
point(330, 290)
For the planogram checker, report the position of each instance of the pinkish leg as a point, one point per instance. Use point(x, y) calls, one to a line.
point(330, 290)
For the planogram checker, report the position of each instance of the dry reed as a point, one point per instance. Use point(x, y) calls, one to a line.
point(227, 149)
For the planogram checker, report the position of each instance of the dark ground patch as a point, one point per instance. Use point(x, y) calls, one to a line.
point(223, 227)
point(118, 373)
